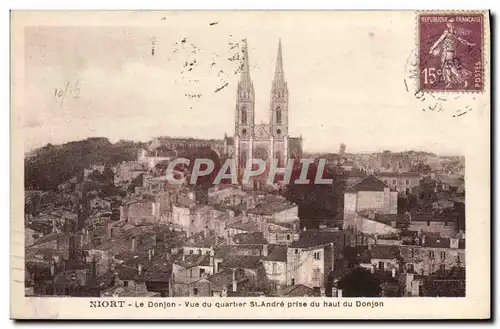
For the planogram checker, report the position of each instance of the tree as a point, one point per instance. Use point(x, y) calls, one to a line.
point(360, 283)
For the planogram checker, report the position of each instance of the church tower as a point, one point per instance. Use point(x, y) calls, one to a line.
point(245, 113)
point(279, 110)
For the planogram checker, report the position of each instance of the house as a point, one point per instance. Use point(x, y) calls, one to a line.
point(381, 258)
point(274, 265)
point(311, 259)
point(299, 290)
point(404, 182)
point(425, 254)
point(370, 194)
point(369, 223)
point(433, 222)
point(187, 272)
point(225, 193)
point(35, 230)
point(229, 281)
point(98, 203)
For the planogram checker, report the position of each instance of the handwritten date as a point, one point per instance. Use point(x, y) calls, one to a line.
point(70, 90)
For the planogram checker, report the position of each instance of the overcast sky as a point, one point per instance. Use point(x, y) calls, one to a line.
point(345, 79)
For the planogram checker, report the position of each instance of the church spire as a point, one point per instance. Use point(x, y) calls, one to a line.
point(279, 75)
point(245, 66)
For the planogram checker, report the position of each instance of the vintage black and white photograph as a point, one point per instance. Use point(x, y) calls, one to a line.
point(223, 156)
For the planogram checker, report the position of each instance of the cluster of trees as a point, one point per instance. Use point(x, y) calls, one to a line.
point(52, 165)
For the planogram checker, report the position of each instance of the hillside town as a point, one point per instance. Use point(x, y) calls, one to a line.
point(161, 239)
point(391, 224)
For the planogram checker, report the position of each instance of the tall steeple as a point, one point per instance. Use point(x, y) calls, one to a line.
point(279, 75)
point(245, 99)
point(278, 110)
point(245, 66)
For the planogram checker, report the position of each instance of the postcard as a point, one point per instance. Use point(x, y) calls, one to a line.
point(250, 164)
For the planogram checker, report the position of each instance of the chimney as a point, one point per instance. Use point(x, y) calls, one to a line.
point(133, 244)
point(264, 250)
point(94, 267)
point(54, 227)
point(235, 284)
point(52, 268)
point(139, 269)
point(322, 292)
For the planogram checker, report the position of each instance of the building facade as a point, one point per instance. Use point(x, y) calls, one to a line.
point(263, 141)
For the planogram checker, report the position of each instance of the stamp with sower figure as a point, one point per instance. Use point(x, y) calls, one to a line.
point(451, 52)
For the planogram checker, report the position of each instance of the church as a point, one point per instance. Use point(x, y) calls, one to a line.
point(264, 141)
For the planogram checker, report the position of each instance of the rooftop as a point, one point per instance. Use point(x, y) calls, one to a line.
point(369, 183)
point(399, 174)
point(316, 238)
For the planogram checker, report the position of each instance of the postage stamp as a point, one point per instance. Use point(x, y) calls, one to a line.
point(451, 52)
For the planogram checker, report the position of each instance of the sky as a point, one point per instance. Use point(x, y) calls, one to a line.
point(345, 78)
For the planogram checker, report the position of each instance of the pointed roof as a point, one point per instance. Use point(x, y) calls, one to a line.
point(245, 70)
point(279, 75)
point(369, 183)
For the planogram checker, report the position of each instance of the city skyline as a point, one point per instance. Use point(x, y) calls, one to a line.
point(128, 91)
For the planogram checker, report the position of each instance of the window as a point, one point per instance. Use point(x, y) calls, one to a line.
point(191, 251)
point(191, 273)
point(442, 254)
point(393, 182)
point(381, 266)
point(315, 276)
point(199, 251)
point(125, 283)
point(292, 281)
point(431, 254)
point(407, 182)
point(195, 291)
point(410, 267)
point(288, 237)
point(244, 115)
point(317, 255)
point(412, 253)
point(296, 251)
point(442, 268)
point(202, 271)
point(278, 115)
point(207, 252)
